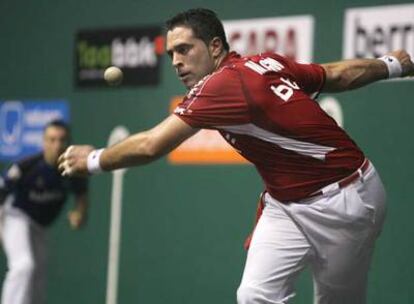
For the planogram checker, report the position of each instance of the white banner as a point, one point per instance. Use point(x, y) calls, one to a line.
point(374, 31)
point(290, 36)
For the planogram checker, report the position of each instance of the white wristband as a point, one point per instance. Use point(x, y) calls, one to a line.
point(393, 65)
point(93, 161)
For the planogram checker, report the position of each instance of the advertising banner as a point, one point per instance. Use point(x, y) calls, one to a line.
point(377, 30)
point(136, 51)
point(291, 36)
point(22, 124)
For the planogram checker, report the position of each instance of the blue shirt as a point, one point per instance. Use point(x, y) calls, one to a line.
point(38, 188)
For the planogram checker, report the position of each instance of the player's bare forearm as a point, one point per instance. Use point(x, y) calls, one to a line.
point(352, 74)
point(147, 146)
point(133, 151)
point(138, 149)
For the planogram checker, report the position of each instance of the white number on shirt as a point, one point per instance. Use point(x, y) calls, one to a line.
point(285, 91)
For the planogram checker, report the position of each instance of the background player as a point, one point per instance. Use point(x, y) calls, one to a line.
point(324, 204)
point(33, 193)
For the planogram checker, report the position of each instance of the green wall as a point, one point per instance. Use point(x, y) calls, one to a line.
point(183, 226)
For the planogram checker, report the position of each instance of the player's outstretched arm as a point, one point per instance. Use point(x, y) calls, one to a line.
point(351, 74)
point(138, 149)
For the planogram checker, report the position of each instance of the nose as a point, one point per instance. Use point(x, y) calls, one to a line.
point(177, 60)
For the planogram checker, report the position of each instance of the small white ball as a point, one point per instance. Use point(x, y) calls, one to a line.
point(113, 75)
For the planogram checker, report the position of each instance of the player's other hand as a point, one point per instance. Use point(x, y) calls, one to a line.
point(73, 162)
point(76, 219)
point(406, 62)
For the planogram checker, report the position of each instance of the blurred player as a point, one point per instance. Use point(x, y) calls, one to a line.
point(33, 193)
point(324, 203)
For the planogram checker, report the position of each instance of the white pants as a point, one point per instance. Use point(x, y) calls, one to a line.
point(333, 233)
point(24, 243)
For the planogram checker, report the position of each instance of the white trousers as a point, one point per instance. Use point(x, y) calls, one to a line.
point(24, 243)
point(333, 234)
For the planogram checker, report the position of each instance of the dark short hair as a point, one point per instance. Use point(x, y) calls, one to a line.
point(204, 23)
point(58, 123)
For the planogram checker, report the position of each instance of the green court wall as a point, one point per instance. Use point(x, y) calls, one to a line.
point(183, 226)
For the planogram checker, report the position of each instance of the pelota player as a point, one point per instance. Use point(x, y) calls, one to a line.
point(32, 193)
point(324, 203)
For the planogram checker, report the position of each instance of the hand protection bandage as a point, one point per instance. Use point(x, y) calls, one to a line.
point(93, 161)
point(393, 65)
point(67, 152)
point(67, 170)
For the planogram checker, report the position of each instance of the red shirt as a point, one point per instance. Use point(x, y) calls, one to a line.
point(262, 106)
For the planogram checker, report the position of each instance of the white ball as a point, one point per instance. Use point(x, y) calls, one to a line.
point(113, 75)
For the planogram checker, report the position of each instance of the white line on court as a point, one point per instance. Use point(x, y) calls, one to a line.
point(117, 134)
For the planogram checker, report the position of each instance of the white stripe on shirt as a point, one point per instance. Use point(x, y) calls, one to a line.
point(301, 147)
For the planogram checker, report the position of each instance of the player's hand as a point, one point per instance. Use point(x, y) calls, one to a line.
point(73, 162)
point(76, 218)
point(406, 62)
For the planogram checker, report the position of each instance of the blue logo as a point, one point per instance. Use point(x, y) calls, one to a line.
point(22, 124)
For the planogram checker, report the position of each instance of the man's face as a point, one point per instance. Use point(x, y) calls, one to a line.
point(191, 57)
point(55, 141)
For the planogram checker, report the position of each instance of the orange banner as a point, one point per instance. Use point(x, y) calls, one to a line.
point(205, 147)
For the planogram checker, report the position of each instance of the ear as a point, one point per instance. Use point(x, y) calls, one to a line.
point(216, 47)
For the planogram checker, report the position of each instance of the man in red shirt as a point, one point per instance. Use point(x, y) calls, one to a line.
point(324, 203)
